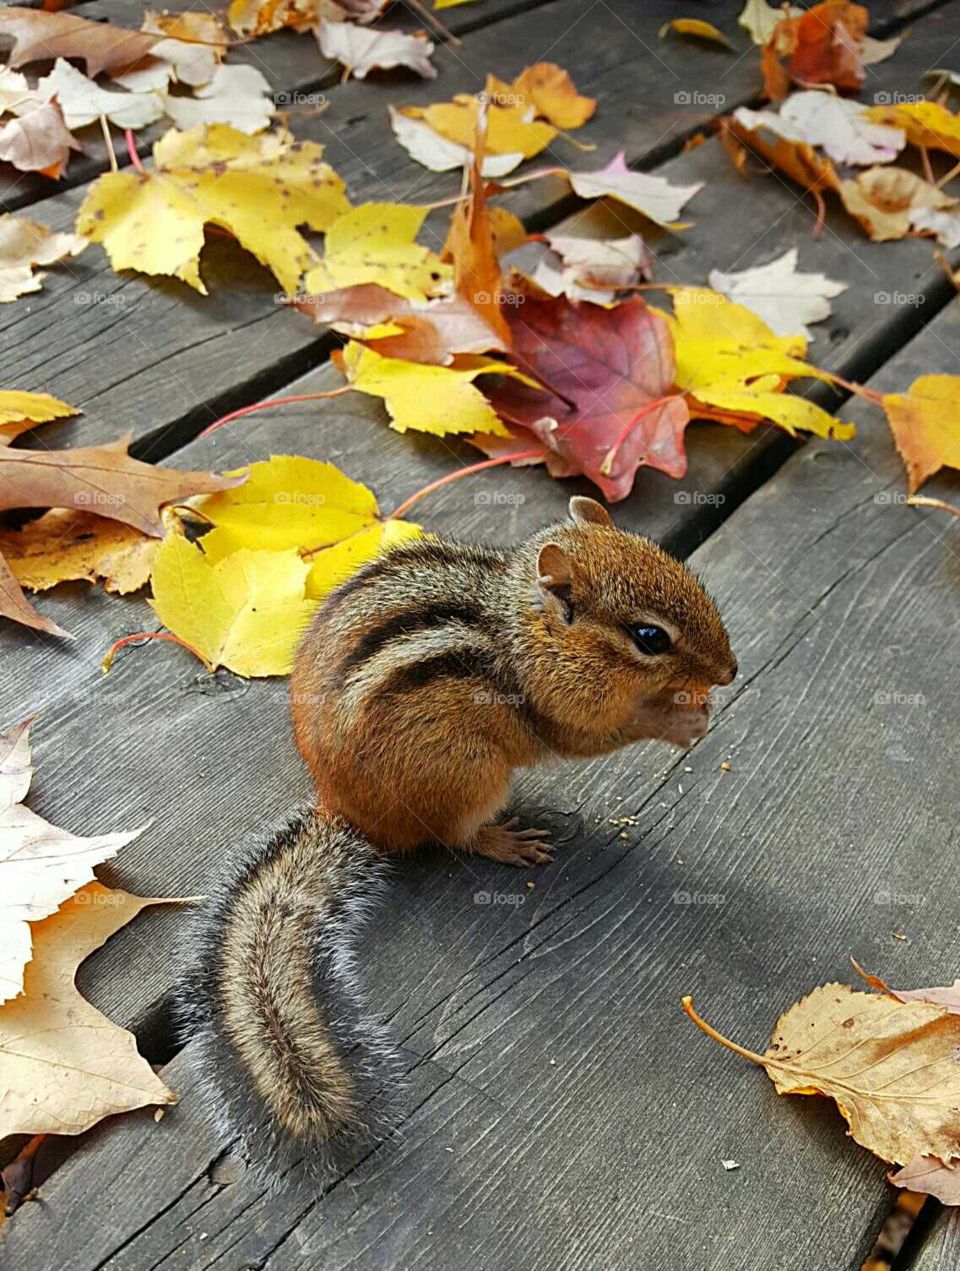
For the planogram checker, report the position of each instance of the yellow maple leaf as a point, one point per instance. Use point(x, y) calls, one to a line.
point(433, 399)
point(927, 124)
point(549, 90)
point(510, 130)
point(20, 411)
point(730, 361)
point(925, 422)
point(260, 188)
point(376, 243)
point(63, 1065)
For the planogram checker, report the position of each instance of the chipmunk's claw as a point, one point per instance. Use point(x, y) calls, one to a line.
point(512, 846)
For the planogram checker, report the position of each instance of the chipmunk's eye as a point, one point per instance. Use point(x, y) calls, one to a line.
point(649, 639)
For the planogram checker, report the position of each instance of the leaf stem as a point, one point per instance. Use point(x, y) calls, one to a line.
point(108, 142)
point(625, 432)
point(270, 403)
point(405, 506)
point(868, 394)
point(687, 1004)
point(18, 1175)
point(115, 648)
point(132, 151)
point(432, 20)
point(924, 501)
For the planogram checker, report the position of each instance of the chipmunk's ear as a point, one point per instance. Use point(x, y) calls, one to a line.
point(588, 512)
point(555, 576)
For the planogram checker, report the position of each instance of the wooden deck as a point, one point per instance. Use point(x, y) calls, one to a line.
point(561, 1110)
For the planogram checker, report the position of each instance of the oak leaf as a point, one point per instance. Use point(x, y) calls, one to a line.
point(926, 426)
point(609, 405)
point(260, 188)
point(39, 36)
point(40, 864)
point(63, 1065)
point(654, 196)
point(890, 1068)
point(361, 50)
point(376, 243)
point(782, 296)
point(24, 244)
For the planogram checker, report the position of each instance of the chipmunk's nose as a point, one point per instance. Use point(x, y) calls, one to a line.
point(729, 675)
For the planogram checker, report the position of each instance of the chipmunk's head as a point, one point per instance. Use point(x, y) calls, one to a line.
point(635, 635)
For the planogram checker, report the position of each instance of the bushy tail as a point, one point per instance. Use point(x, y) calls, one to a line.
point(283, 1045)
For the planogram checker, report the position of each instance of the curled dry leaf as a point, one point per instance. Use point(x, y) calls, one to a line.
point(841, 127)
point(39, 36)
point(654, 196)
point(890, 1068)
point(785, 298)
point(824, 45)
point(362, 51)
point(695, 29)
point(593, 269)
point(928, 1174)
point(926, 124)
point(926, 426)
point(38, 140)
point(886, 200)
point(236, 95)
point(260, 188)
point(40, 864)
point(19, 412)
point(24, 244)
point(609, 406)
point(434, 331)
point(258, 17)
point(376, 243)
point(548, 91)
point(64, 1066)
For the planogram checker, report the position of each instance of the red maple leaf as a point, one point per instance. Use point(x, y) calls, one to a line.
point(609, 404)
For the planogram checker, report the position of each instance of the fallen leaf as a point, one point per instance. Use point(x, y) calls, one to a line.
point(22, 245)
point(361, 50)
point(440, 400)
point(928, 1174)
point(510, 129)
point(873, 51)
point(38, 140)
point(593, 269)
point(786, 299)
point(174, 56)
point(260, 188)
point(761, 20)
point(40, 37)
point(548, 90)
point(926, 426)
point(470, 244)
point(891, 1069)
point(332, 565)
point(654, 196)
point(434, 331)
point(885, 200)
point(734, 369)
point(376, 243)
point(239, 96)
point(19, 412)
point(697, 29)
point(16, 94)
point(823, 45)
point(841, 127)
point(63, 1065)
point(610, 405)
point(258, 17)
point(246, 611)
point(943, 226)
point(67, 546)
point(82, 101)
point(926, 124)
point(440, 155)
point(101, 478)
point(798, 159)
point(40, 864)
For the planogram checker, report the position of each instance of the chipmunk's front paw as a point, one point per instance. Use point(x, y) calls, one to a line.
point(512, 846)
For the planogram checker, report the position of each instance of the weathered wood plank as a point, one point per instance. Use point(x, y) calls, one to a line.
point(941, 1249)
point(586, 1119)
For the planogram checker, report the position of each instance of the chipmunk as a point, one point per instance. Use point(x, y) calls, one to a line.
point(421, 683)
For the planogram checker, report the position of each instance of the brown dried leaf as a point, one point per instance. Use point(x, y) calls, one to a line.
point(68, 546)
point(40, 37)
point(24, 244)
point(38, 140)
point(930, 1175)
